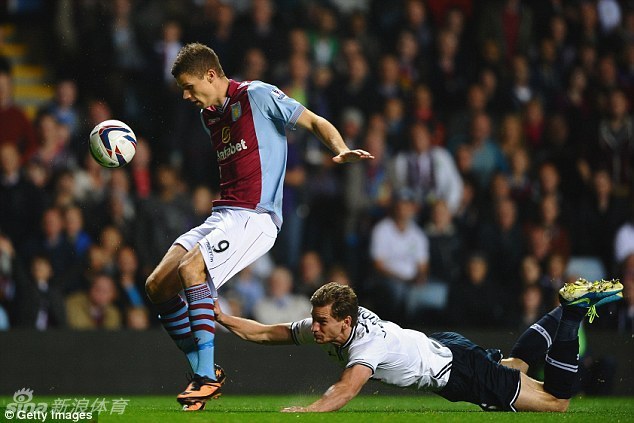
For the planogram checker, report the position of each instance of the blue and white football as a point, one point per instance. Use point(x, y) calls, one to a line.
point(112, 143)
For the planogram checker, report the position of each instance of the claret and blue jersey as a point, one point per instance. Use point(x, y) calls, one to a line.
point(248, 134)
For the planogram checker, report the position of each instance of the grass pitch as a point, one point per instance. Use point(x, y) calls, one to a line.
point(374, 408)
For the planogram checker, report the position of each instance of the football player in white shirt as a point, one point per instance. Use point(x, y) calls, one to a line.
point(446, 362)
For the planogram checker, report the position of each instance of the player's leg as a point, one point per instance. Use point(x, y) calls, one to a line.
point(533, 397)
point(534, 343)
point(206, 382)
point(237, 239)
point(578, 299)
point(163, 287)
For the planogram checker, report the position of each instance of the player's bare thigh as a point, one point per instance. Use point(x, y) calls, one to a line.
point(164, 282)
point(192, 268)
point(515, 363)
point(532, 397)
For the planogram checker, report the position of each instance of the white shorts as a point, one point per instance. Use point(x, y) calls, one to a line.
point(230, 240)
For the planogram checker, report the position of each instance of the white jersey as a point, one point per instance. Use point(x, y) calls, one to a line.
point(396, 356)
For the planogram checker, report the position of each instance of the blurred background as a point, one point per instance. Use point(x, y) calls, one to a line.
point(504, 142)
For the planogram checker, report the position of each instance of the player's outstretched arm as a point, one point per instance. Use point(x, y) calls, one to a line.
point(250, 330)
point(328, 134)
point(339, 394)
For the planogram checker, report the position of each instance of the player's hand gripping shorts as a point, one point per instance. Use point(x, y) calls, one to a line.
point(230, 240)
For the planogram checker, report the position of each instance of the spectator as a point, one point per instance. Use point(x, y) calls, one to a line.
point(368, 187)
point(166, 213)
point(600, 213)
point(311, 273)
point(531, 305)
point(323, 41)
point(553, 279)
point(487, 157)
point(95, 308)
point(15, 126)
point(249, 289)
point(551, 220)
point(502, 238)
point(520, 89)
point(534, 124)
point(448, 74)
point(468, 215)
point(530, 271)
point(424, 111)
point(22, 201)
point(624, 242)
point(137, 318)
point(389, 83)
point(260, 29)
point(508, 23)
point(215, 25)
point(428, 171)
point(396, 123)
point(446, 247)
point(615, 148)
point(511, 134)
point(620, 315)
point(131, 280)
point(460, 117)
point(75, 232)
point(64, 108)
point(399, 250)
point(476, 301)
point(8, 283)
point(140, 170)
point(280, 304)
point(52, 242)
point(520, 182)
point(40, 298)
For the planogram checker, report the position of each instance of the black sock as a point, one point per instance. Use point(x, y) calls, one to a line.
point(532, 345)
point(560, 371)
point(571, 318)
point(562, 361)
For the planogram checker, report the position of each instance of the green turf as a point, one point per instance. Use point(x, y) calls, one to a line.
point(360, 410)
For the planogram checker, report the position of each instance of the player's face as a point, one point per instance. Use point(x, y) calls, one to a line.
point(197, 90)
point(326, 329)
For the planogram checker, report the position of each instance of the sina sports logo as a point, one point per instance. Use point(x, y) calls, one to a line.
point(23, 395)
point(22, 405)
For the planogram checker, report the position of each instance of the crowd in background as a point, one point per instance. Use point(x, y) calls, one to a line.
point(502, 130)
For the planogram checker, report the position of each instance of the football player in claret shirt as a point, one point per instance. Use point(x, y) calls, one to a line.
point(246, 122)
point(446, 363)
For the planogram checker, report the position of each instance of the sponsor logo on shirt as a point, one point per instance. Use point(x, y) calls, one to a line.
point(212, 121)
point(210, 250)
point(278, 93)
point(226, 134)
point(231, 149)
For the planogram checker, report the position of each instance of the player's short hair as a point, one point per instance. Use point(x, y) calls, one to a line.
point(196, 59)
point(342, 299)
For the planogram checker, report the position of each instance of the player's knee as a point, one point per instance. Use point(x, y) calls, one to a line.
point(190, 270)
point(152, 286)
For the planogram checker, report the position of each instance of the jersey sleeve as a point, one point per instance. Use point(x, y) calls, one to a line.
point(301, 333)
point(274, 104)
point(370, 351)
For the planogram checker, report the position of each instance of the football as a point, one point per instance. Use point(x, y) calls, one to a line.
point(112, 143)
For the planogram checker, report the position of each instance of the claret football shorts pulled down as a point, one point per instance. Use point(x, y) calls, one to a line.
point(477, 379)
point(230, 240)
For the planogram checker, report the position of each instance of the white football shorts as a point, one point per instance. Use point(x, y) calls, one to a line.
point(230, 240)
